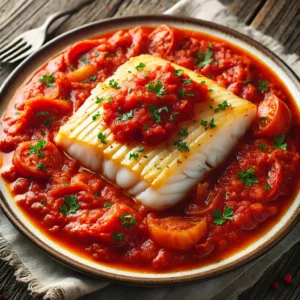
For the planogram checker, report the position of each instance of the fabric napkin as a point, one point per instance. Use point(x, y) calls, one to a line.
point(45, 276)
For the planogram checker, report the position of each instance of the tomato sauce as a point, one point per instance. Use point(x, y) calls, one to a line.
point(237, 203)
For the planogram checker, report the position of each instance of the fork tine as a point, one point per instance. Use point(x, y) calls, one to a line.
point(14, 54)
point(29, 51)
point(13, 49)
point(9, 45)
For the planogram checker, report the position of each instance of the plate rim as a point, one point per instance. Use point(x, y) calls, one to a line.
point(70, 263)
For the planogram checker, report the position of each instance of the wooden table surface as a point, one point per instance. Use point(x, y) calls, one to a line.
point(277, 18)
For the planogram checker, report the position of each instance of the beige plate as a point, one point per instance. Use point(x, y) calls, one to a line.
point(62, 255)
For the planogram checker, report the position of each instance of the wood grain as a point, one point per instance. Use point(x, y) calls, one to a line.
point(277, 18)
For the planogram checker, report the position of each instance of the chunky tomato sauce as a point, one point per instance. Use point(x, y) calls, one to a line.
point(236, 204)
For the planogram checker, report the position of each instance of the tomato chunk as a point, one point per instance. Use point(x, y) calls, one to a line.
point(33, 159)
point(176, 233)
point(274, 117)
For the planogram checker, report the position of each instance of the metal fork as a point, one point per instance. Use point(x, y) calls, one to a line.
point(31, 40)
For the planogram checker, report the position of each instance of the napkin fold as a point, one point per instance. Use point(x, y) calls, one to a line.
point(45, 276)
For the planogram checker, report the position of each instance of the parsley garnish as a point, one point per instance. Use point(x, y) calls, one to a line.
point(133, 155)
point(262, 147)
point(183, 131)
point(37, 148)
point(48, 80)
point(66, 183)
point(71, 205)
point(263, 118)
point(102, 137)
point(190, 80)
point(85, 60)
point(220, 218)
point(207, 59)
point(212, 123)
point(43, 202)
point(178, 72)
point(145, 127)
point(95, 116)
point(43, 133)
point(109, 99)
point(181, 146)
point(263, 85)
point(247, 81)
point(278, 143)
point(98, 99)
point(222, 106)
point(114, 84)
point(41, 167)
point(157, 88)
point(204, 123)
point(126, 116)
point(107, 205)
point(267, 187)
point(117, 237)
point(210, 90)
point(140, 66)
point(247, 177)
point(127, 220)
point(90, 78)
point(155, 112)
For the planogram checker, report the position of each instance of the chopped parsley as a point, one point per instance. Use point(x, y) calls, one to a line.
point(43, 202)
point(41, 167)
point(66, 183)
point(262, 147)
point(102, 137)
point(90, 78)
point(155, 112)
point(107, 205)
point(118, 237)
point(190, 80)
point(267, 187)
point(263, 118)
point(183, 131)
point(207, 58)
point(70, 206)
point(145, 127)
point(247, 177)
point(98, 99)
point(127, 220)
point(263, 85)
point(210, 90)
point(220, 218)
point(278, 143)
point(37, 148)
point(212, 123)
point(96, 194)
point(178, 72)
point(221, 106)
point(95, 116)
point(43, 133)
point(48, 80)
point(182, 93)
point(114, 84)
point(247, 81)
point(181, 146)
point(140, 66)
point(133, 155)
point(157, 88)
point(126, 116)
point(204, 123)
point(109, 99)
point(85, 60)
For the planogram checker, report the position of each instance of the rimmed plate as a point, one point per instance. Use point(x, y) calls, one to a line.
point(23, 71)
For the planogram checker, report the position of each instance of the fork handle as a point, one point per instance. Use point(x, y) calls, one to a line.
point(60, 14)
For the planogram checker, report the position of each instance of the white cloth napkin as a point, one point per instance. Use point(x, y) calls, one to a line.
point(44, 275)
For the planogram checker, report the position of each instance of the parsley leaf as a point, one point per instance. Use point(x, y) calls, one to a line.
point(222, 106)
point(48, 80)
point(247, 177)
point(71, 205)
point(204, 123)
point(267, 187)
point(181, 146)
point(118, 237)
point(183, 131)
point(85, 60)
point(207, 59)
point(157, 88)
point(133, 155)
point(126, 116)
point(114, 84)
point(178, 72)
point(263, 85)
point(155, 112)
point(98, 99)
point(95, 116)
point(190, 80)
point(37, 148)
point(127, 220)
point(212, 123)
point(140, 66)
point(102, 137)
point(41, 167)
point(278, 143)
point(107, 205)
point(220, 218)
point(262, 147)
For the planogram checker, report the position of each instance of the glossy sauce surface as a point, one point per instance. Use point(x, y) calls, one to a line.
point(239, 201)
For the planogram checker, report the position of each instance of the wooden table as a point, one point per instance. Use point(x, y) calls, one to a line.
point(277, 18)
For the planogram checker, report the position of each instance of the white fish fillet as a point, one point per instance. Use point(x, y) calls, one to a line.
point(163, 175)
